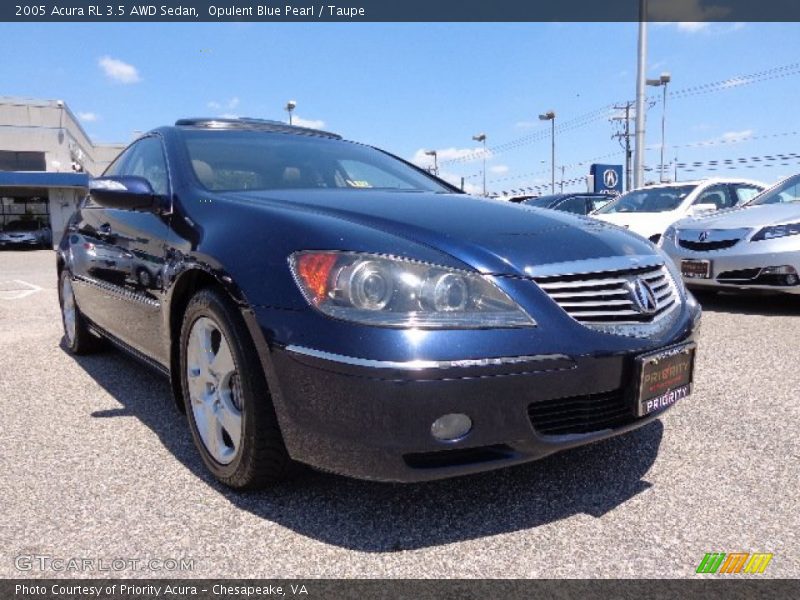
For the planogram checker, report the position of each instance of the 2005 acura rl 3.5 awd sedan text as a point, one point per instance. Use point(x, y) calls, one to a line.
point(321, 301)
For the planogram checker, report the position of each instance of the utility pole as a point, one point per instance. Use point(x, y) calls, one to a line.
point(551, 116)
point(626, 136)
point(562, 178)
point(639, 143)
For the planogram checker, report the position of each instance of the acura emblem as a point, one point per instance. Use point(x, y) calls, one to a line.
point(610, 178)
point(703, 236)
point(644, 300)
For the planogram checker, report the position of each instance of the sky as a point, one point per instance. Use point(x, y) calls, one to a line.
point(414, 87)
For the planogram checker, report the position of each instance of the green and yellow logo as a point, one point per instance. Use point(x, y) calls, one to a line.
point(735, 562)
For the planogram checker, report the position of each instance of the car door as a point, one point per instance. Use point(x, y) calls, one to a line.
point(122, 277)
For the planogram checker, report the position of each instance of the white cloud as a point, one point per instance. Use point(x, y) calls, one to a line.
point(735, 135)
point(692, 26)
point(88, 116)
point(499, 169)
point(310, 123)
point(229, 104)
point(118, 70)
point(676, 10)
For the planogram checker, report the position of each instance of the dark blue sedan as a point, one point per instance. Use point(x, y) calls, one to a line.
point(321, 301)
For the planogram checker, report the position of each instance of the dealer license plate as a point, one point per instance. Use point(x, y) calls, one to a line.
point(696, 269)
point(664, 377)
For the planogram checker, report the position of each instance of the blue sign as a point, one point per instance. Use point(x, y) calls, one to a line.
point(607, 178)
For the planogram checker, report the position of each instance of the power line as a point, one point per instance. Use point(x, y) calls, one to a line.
point(590, 117)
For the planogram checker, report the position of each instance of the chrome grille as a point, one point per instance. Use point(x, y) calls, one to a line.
point(606, 297)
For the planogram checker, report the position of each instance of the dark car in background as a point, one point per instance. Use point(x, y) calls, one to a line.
point(575, 203)
point(321, 301)
point(25, 233)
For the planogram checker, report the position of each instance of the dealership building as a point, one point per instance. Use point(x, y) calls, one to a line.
point(46, 159)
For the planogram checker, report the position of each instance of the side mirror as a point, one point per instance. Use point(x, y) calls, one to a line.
point(129, 192)
point(701, 209)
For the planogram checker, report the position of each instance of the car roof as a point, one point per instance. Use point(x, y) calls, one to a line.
point(251, 124)
point(706, 181)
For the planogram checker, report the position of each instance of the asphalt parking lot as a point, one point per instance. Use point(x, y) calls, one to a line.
point(96, 463)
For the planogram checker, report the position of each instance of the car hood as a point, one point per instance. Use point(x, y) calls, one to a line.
point(490, 235)
point(746, 216)
point(645, 224)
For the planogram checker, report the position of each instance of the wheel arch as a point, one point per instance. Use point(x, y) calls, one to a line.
point(183, 288)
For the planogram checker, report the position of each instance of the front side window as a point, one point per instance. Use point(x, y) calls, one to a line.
point(147, 160)
point(785, 192)
point(649, 200)
point(258, 160)
point(718, 195)
point(144, 158)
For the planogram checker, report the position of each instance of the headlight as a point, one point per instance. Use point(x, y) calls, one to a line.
point(394, 292)
point(670, 234)
point(776, 231)
point(675, 273)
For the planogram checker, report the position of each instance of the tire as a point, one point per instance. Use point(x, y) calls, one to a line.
point(230, 412)
point(77, 337)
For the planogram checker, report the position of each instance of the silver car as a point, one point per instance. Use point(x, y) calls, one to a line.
point(754, 247)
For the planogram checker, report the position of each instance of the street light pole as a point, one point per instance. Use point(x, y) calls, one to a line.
point(434, 154)
point(638, 159)
point(662, 82)
point(481, 137)
point(551, 116)
point(663, 122)
point(290, 106)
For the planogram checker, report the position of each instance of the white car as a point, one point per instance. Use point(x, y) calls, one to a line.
point(755, 247)
point(648, 211)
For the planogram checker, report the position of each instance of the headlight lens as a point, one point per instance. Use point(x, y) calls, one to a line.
point(394, 292)
point(669, 234)
point(776, 231)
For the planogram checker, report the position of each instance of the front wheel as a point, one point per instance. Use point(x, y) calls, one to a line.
point(230, 411)
point(78, 338)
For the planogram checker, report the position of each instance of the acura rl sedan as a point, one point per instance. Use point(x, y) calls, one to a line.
point(756, 247)
point(320, 301)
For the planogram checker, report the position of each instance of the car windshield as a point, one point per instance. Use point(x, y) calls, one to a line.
point(22, 226)
point(649, 200)
point(783, 193)
point(256, 160)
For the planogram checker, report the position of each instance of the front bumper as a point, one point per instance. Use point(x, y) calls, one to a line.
point(372, 420)
point(739, 267)
point(21, 242)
